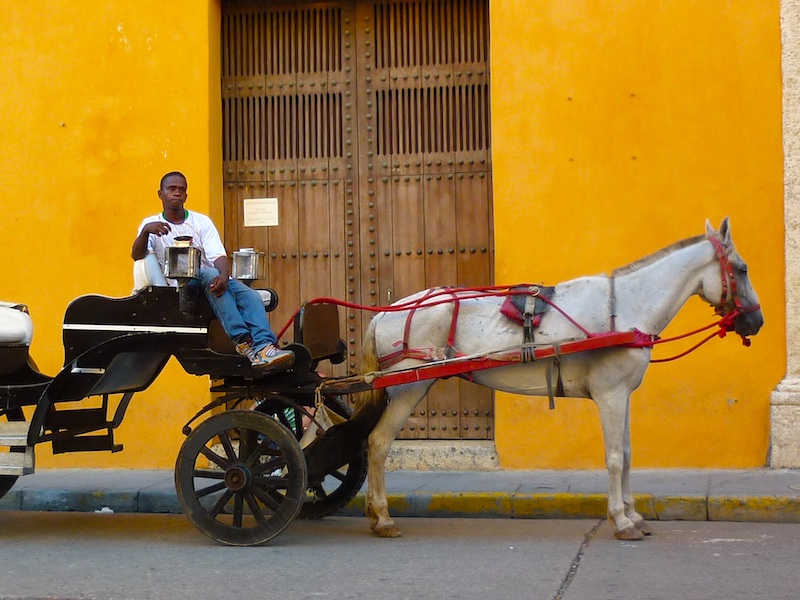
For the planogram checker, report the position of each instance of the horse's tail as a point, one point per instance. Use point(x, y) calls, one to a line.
point(369, 364)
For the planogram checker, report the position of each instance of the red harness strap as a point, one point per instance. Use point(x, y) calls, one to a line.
point(425, 353)
point(432, 298)
point(729, 287)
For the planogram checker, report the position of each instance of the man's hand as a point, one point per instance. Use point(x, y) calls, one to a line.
point(139, 248)
point(157, 227)
point(218, 285)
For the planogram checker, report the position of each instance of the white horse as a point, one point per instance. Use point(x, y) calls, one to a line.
point(644, 295)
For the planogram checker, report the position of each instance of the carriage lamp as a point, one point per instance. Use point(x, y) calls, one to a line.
point(183, 260)
point(183, 264)
point(248, 265)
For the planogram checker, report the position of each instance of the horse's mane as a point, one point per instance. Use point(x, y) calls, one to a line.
point(658, 254)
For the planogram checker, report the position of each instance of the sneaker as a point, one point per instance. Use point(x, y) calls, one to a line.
point(246, 349)
point(272, 358)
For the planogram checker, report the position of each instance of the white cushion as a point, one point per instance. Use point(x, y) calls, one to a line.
point(147, 272)
point(16, 326)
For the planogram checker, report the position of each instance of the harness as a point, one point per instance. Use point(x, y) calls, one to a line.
point(730, 291)
point(536, 301)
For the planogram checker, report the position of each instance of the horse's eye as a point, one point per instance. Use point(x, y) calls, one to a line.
point(743, 269)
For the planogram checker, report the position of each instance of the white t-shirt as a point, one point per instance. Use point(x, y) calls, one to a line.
point(204, 235)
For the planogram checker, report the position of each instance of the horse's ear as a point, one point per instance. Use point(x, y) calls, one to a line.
point(709, 229)
point(725, 231)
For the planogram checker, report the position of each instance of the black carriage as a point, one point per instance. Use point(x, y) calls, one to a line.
point(241, 474)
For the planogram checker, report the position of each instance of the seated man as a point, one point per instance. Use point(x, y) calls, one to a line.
point(238, 308)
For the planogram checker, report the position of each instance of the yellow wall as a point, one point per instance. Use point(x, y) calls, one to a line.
point(618, 128)
point(99, 100)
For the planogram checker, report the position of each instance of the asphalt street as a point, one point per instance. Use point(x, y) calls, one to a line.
point(136, 556)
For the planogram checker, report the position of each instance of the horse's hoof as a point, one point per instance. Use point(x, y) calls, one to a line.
point(387, 531)
point(630, 533)
point(644, 528)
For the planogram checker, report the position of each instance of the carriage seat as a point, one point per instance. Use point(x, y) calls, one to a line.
point(16, 327)
point(147, 272)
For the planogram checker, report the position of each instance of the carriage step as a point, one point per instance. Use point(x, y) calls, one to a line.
point(17, 463)
point(18, 459)
point(86, 443)
point(14, 433)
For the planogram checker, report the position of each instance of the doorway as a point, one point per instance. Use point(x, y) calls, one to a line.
point(369, 121)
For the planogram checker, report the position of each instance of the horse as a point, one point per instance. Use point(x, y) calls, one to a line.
point(644, 295)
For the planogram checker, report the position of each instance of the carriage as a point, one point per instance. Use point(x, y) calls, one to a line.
point(268, 448)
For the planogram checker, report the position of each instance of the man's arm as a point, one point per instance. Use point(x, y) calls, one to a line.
point(139, 248)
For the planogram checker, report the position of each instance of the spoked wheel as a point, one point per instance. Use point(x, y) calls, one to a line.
point(240, 477)
point(339, 486)
point(8, 481)
point(335, 490)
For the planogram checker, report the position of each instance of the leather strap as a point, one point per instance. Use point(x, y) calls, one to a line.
point(554, 366)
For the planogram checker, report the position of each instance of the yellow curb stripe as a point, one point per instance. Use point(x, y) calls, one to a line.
point(776, 509)
point(771, 509)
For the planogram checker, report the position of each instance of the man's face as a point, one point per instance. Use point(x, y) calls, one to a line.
point(173, 193)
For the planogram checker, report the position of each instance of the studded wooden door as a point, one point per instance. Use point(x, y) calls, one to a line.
point(369, 122)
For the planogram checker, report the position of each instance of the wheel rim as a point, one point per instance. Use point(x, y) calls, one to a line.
point(335, 490)
point(240, 477)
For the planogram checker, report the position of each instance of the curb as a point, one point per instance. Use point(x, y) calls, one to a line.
point(91, 501)
point(771, 509)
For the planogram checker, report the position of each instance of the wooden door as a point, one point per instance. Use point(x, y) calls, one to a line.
point(369, 121)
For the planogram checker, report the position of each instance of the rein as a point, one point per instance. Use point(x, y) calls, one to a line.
point(448, 295)
point(725, 324)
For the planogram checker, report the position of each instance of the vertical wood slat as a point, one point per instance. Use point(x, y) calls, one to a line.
point(462, 101)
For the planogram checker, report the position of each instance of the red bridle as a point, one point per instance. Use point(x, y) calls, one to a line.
point(730, 291)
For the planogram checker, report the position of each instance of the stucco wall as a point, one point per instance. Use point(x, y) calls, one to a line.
point(618, 128)
point(785, 400)
point(99, 100)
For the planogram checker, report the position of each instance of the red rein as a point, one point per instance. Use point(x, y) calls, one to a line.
point(437, 296)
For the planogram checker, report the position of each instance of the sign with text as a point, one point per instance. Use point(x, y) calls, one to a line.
point(260, 212)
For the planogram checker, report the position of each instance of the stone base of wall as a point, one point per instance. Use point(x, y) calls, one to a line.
point(785, 425)
point(444, 455)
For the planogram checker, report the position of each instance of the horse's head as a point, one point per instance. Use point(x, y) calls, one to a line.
point(729, 289)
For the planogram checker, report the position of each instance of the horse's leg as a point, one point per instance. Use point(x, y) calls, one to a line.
point(402, 401)
point(627, 496)
point(613, 405)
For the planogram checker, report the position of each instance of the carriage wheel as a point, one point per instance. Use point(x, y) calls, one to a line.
point(338, 487)
point(8, 481)
point(240, 477)
point(335, 490)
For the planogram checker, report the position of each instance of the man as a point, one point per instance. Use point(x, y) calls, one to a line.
point(238, 308)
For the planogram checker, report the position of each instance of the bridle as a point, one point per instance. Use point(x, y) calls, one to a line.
point(730, 291)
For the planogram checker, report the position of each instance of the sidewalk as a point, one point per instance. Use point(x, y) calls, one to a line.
point(670, 494)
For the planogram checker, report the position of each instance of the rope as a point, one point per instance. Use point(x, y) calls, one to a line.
point(690, 350)
point(725, 324)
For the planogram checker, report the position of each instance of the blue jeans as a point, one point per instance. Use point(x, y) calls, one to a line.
point(239, 310)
